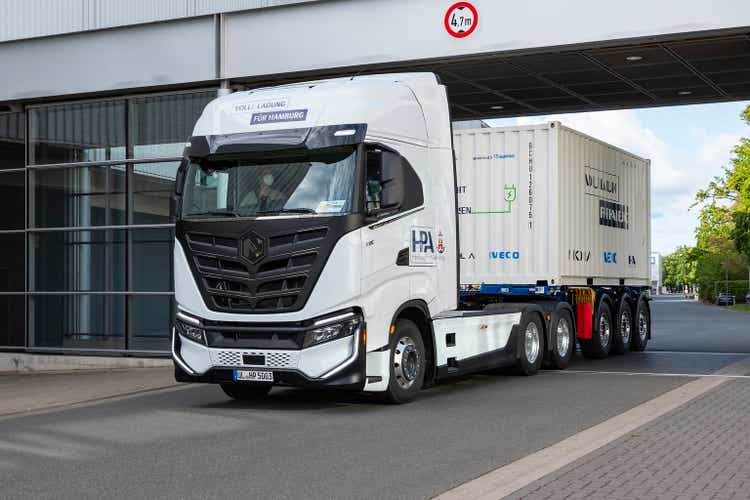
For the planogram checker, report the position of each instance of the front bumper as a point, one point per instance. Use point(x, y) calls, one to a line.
point(339, 364)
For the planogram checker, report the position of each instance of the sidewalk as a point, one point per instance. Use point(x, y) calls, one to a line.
point(30, 392)
point(700, 450)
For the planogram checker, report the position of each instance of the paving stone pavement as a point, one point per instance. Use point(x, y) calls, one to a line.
point(698, 451)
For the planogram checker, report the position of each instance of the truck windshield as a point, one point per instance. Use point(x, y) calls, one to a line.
point(279, 183)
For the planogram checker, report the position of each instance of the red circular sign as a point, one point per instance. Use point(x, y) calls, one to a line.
point(461, 19)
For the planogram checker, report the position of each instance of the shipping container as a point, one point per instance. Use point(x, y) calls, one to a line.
point(547, 205)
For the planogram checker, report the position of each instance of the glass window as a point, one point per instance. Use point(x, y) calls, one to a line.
point(152, 260)
point(79, 196)
point(12, 320)
point(319, 181)
point(153, 184)
point(79, 261)
point(78, 321)
point(12, 200)
point(12, 140)
point(68, 133)
point(392, 185)
point(151, 322)
point(161, 125)
point(12, 262)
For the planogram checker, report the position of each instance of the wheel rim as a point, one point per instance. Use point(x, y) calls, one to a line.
point(625, 327)
point(642, 326)
point(407, 361)
point(604, 331)
point(563, 337)
point(531, 342)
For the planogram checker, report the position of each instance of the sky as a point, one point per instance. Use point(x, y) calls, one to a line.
point(687, 146)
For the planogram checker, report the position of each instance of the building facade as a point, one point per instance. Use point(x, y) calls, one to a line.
point(97, 98)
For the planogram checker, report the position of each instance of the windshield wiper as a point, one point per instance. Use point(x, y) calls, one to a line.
point(229, 213)
point(287, 211)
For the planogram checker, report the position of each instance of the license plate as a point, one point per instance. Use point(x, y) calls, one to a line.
point(253, 376)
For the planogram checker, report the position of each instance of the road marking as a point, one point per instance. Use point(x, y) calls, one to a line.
point(702, 353)
point(656, 374)
point(509, 478)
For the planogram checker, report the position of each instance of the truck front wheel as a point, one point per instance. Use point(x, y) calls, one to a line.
point(407, 363)
point(246, 392)
point(601, 334)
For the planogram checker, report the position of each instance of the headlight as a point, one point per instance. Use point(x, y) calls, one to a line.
point(332, 331)
point(192, 332)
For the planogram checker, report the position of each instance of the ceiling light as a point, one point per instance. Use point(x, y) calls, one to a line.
point(684, 92)
point(634, 58)
point(497, 107)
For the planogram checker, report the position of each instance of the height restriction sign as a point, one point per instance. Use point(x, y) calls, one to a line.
point(461, 19)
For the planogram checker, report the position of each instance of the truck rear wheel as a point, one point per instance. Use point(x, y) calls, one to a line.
point(601, 334)
point(530, 345)
point(563, 340)
point(642, 327)
point(246, 392)
point(407, 363)
point(623, 328)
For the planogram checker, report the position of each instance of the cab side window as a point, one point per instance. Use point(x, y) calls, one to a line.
point(392, 184)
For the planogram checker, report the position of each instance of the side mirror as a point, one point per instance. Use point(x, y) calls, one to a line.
point(174, 203)
point(391, 186)
point(180, 177)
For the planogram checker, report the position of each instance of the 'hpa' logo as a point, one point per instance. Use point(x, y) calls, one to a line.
point(421, 241)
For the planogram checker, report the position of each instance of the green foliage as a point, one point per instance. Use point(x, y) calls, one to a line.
point(678, 268)
point(722, 249)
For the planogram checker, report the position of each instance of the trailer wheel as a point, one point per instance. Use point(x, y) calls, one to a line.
point(642, 328)
point(624, 328)
point(601, 334)
point(407, 363)
point(563, 340)
point(530, 347)
point(246, 392)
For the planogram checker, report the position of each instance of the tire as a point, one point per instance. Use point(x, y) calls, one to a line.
point(624, 327)
point(563, 340)
point(246, 392)
point(601, 334)
point(642, 329)
point(530, 345)
point(407, 363)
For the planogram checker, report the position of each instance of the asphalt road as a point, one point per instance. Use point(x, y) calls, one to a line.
point(684, 325)
point(194, 443)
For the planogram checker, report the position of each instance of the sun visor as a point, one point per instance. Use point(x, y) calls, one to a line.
point(273, 140)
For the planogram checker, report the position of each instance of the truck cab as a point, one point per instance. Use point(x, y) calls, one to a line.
point(314, 221)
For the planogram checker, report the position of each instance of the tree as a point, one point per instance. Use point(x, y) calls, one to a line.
point(678, 268)
point(722, 250)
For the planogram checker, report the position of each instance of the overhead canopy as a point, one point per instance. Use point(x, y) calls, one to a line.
point(645, 74)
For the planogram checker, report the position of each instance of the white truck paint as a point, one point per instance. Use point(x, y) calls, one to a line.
point(351, 280)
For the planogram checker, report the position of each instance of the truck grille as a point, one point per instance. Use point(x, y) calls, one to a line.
point(272, 359)
point(274, 283)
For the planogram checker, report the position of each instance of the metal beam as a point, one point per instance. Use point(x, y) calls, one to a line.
point(488, 89)
point(522, 67)
point(693, 70)
point(617, 75)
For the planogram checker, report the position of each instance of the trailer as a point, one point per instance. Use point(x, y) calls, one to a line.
point(544, 210)
point(337, 234)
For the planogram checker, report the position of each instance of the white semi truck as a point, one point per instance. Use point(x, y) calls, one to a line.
point(336, 234)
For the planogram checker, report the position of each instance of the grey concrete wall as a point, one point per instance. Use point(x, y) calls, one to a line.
point(20, 19)
point(139, 56)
